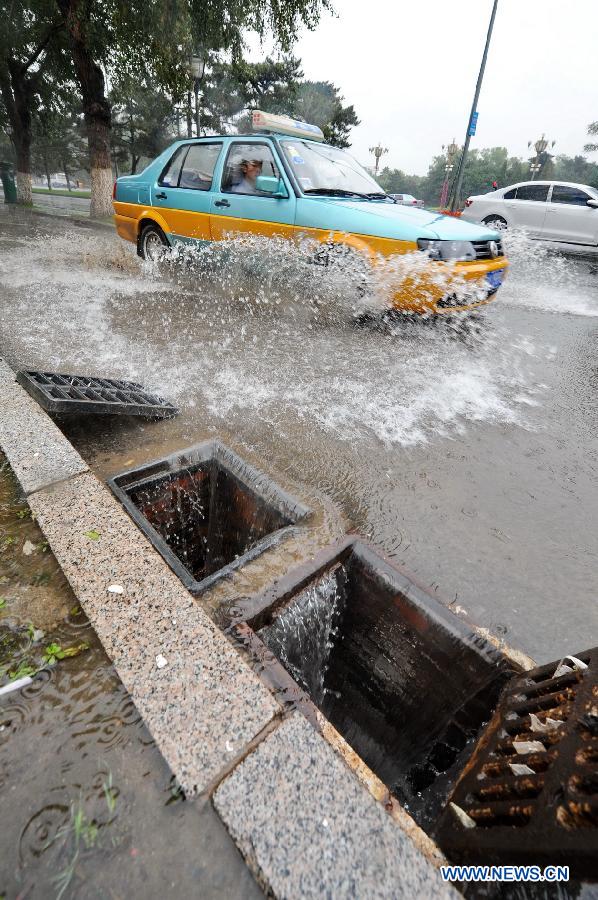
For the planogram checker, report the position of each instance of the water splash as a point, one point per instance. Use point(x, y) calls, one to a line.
point(303, 634)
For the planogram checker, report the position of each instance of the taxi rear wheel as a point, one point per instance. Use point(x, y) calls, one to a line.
point(152, 242)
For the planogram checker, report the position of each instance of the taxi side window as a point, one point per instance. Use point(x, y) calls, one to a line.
point(199, 165)
point(245, 161)
point(170, 175)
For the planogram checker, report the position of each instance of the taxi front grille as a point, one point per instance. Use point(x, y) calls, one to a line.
point(482, 249)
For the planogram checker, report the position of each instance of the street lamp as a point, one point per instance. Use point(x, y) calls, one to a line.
point(378, 152)
point(541, 157)
point(197, 68)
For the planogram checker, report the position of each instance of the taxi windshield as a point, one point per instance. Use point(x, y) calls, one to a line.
point(320, 169)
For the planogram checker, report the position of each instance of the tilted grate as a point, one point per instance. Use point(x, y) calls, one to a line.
point(529, 793)
point(61, 393)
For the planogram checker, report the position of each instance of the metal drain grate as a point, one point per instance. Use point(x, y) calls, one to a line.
point(61, 393)
point(530, 791)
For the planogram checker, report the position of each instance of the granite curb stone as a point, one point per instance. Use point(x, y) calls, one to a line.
point(38, 451)
point(205, 705)
point(309, 829)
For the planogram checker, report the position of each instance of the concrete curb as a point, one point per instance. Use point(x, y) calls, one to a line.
point(274, 781)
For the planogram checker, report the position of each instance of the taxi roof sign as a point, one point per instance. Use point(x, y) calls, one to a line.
point(262, 121)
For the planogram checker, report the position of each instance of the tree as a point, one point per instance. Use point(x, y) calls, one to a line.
point(577, 169)
point(592, 129)
point(143, 121)
point(321, 103)
point(156, 38)
point(58, 143)
point(29, 63)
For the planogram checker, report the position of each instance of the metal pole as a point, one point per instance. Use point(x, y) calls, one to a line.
point(478, 87)
point(197, 116)
point(189, 130)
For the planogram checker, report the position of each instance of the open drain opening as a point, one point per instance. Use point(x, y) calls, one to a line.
point(405, 683)
point(207, 511)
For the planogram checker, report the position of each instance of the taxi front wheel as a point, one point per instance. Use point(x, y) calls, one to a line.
point(152, 242)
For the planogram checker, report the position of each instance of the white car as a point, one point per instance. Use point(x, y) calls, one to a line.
point(407, 200)
point(549, 210)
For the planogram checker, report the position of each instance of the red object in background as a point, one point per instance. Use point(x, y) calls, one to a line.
point(114, 191)
point(495, 184)
point(468, 202)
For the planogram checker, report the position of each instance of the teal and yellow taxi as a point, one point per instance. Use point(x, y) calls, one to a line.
point(284, 181)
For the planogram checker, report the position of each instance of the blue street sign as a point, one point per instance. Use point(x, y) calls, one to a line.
point(473, 123)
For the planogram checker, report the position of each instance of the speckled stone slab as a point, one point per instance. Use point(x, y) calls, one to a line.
point(307, 827)
point(198, 697)
point(38, 451)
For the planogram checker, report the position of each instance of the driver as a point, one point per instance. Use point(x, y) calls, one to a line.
point(250, 169)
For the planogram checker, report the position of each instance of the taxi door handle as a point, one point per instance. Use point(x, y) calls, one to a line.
point(161, 196)
point(221, 203)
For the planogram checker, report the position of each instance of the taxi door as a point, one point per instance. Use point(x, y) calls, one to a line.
point(237, 207)
point(182, 192)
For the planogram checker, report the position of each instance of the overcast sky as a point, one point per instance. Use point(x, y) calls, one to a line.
point(410, 69)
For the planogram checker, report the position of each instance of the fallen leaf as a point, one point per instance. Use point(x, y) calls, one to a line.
point(92, 534)
point(28, 548)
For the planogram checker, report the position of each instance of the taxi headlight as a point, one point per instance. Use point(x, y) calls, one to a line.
point(448, 250)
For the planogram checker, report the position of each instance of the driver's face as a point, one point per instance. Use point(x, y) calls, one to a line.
point(253, 167)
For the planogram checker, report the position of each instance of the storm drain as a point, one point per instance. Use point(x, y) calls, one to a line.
point(530, 791)
point(403, 680)
point(207, 511)
point(57, 393)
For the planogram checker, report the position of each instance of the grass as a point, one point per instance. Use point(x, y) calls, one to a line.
point(60, 192)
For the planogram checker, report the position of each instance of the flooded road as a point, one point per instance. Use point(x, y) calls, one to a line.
point(467, 453)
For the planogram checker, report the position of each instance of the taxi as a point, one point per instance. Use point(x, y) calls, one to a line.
point(284, 181)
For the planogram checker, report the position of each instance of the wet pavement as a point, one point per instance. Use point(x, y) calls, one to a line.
point(467, 453)
point(94, 808)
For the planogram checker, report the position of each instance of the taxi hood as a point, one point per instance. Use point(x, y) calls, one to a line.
point(386, 220)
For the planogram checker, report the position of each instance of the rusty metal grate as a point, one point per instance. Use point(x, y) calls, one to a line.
point(529, 793)
point(63, 393)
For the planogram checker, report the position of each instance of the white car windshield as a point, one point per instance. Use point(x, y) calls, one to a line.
point(320, 169)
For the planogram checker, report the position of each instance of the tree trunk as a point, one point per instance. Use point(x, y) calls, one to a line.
point(66, 174)
point(96, 108)
point(47, 168)
point(17, 95)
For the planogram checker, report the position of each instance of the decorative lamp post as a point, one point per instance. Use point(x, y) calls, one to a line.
point(541, 157)
point(378, 152)
point(197, 68)
point(451, 153)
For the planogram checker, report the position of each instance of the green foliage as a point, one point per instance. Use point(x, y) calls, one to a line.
point(143, 121)
point(592, 129)
point(92, 534)
point(321, 103)
point(54, 652)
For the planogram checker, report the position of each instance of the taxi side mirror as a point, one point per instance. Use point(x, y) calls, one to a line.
point(268, 185)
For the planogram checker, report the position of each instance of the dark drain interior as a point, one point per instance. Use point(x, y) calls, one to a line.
point(405, 682)
point(206, 511)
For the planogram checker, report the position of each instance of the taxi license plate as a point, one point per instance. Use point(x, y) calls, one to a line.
point(494, 279)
